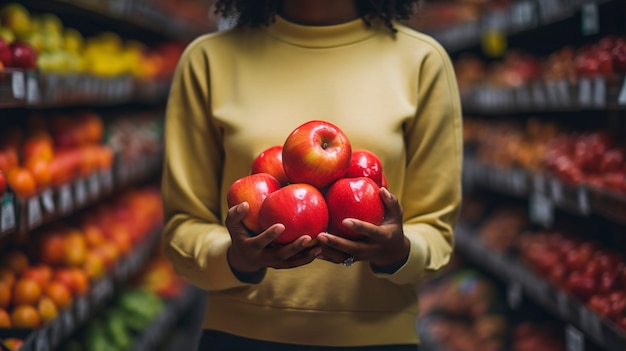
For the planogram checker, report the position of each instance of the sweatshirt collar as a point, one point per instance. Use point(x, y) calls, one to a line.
point(320, 36)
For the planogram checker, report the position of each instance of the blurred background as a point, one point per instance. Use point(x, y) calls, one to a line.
point(540, 246)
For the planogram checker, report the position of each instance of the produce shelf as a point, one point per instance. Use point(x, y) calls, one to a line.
point(598, 93)
point(34, 89)
point(526, 16)
point(23, 215)
point(51, 335)
point(523, 282)
point(546, 192)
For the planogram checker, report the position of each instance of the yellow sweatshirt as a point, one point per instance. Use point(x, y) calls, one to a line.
point(238, 92)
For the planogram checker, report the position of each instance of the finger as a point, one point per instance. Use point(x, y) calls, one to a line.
point(332, 255)
point(268, 236)
point(339, 243)
point(234, 219)
point(393, 208)
point(302, 258)
point(367, 229)
point(287, 251)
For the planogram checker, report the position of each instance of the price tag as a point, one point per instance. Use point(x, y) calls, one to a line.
point(564, 93)
point(591, 324)
point(80, 192)
point(34, 212)
point(106, 179)
point(65, 199)
point(584, 92)
point(541, 210)
point(574, 339)
point(549, 9)
point(18, 85)
point(514, 295)
point(94, 186)
point(69, 323)
point(539, 183)
point(102, 291)
point(47, 201)
point(41, 341)
point(583, 200)
point(539, 95)
point(621, 98)
point(518, 181)
point(556, 190)
point(523, 15)
point(590, 19)
point(32, 90)
point(7, 221)
point(562, 304)
point(599, 92)
point(82, 309)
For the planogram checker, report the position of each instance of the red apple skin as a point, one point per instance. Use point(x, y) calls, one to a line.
point(271, 161)
point(357, 198)
point(3, 183)
point(365, 163)
point(300, 207)
point(254, 189)
point(24, 56)
point(317, 153)
point(6, 56)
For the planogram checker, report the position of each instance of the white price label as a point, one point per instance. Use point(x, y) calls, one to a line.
point(514, 295)
point(591, 324)
point(599, 92)
point(94, 186)
point(621, 98)
point(32, 90)
point(47, 201)
point(564, 93)
point(65, 199)
point(518, 181)
point(556, 190)
point(34, 212)
point(590, 18)
point(583, 200)
point(584, 92)
point(7, 221)
point(18, 85)
point(106, 178)
point(80, 192)
point(574, 339)
point(523, 14)
point(541, 210)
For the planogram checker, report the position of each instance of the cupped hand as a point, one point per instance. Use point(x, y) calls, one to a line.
point(249, 254)
point(382, 246)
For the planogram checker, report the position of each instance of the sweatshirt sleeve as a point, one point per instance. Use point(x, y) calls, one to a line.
point(194, 238)
point(431, 195)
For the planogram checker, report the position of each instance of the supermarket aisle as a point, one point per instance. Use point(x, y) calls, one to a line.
point(540, 244)
point(82, 95)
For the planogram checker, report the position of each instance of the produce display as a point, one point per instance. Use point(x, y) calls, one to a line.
point(41, 41)
point(323, 181)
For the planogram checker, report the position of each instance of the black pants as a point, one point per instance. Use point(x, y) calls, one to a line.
point(219, 341)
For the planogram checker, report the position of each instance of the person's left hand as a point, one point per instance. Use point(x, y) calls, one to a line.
point(384, 246)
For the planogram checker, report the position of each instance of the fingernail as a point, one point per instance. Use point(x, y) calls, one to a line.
point(387, 193)
point(241, 207)
point(348, 223)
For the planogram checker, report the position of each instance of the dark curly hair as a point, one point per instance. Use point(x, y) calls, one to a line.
point(254, 13)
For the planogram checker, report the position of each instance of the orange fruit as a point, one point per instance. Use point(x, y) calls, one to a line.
point(15, 261)
point(22, 181)
point(58, 293)
point(41, 273)
point(14, 344)
point(40, 169)
point(25, 316)
point(26, 292)
point(75, 279)
point(5, 295)
point(5, 319)
point(47, 309)
point(75, 249)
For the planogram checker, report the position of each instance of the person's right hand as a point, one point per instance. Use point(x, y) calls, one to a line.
point(249, 254)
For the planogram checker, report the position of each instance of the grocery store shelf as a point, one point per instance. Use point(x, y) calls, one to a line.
point(51, 335)
point(139, 16)
point(521, 280)
point(546, 193)
point(33, 89)
point(524, 16)
point(23, 215)
point(598, 93)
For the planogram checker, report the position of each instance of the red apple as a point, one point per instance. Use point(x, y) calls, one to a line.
point(6, 55)
point(3, 183)
point(24, 55)
point(317, 153)
point(365, 163)
point(252, 189)
point(353, 198)
point(271, 161)
point(300, 207)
